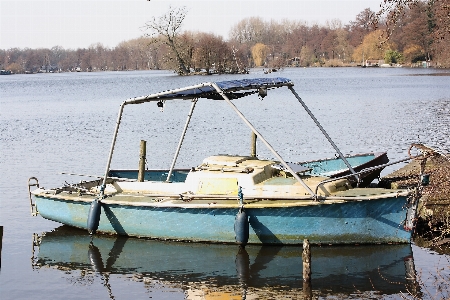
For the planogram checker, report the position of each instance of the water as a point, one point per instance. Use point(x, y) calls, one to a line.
point(52, 123)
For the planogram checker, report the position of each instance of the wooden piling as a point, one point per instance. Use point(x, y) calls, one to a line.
point(142, 157)
point(253, 145)
point(306, 258)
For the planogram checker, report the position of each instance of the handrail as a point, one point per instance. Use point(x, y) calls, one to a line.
point(361, 172)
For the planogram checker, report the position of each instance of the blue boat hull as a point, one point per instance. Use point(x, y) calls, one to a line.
point(366, 221)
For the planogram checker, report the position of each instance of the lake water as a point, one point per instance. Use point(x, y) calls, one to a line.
point(53, 123)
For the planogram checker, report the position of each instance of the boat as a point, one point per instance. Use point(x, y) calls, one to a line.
point(229, 198)
point(335, 167)
point(227, 270)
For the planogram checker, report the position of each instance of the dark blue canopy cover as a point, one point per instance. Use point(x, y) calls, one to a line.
point(255, 83)
point(233, 89)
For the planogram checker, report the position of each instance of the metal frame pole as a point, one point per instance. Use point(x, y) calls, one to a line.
point(324, 133)
point(181, 139)
point(113, 143)
point(214, 85)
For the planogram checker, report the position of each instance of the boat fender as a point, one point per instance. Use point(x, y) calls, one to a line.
point(242, 265)
point(94, 216)
point(95, 258)
point(241, 227)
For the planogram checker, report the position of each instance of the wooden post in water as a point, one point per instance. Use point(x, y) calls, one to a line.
point(306, 258)
point(253, 145)
point(142, 155)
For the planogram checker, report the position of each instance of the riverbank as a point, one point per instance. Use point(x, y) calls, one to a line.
point(433, 223)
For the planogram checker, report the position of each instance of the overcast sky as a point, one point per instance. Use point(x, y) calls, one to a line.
point(79, 24)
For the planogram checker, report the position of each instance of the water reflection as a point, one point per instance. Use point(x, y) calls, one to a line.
point(205, 271)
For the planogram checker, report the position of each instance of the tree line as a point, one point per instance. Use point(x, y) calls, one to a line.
point(410, 32)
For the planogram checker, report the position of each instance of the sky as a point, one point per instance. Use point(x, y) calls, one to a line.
point(80, 24)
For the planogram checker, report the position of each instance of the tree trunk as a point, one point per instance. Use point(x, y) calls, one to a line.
point(182, 70)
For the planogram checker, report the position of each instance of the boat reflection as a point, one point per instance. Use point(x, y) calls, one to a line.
point(211, 270)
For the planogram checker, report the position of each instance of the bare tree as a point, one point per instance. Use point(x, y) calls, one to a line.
point(68, 61)
point(364, 23)
point(242, 56)
point(57, 55)
point(168, 26)
point(307, 56)
point(249, 30)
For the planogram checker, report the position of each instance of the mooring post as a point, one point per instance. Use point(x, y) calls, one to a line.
point(253, 145)
point(306, 258)
point(142, 155)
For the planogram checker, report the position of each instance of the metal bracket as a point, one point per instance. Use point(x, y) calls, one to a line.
point(33, 207)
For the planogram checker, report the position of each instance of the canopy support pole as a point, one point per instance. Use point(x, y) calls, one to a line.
point(214, 85)
point(325, 133)
point(181, 139)
point(113, 143)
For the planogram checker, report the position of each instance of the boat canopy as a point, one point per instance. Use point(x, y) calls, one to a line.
point(233, 89)
point(224, 90)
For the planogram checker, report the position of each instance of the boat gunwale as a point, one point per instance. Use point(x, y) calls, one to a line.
point(161, 200)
